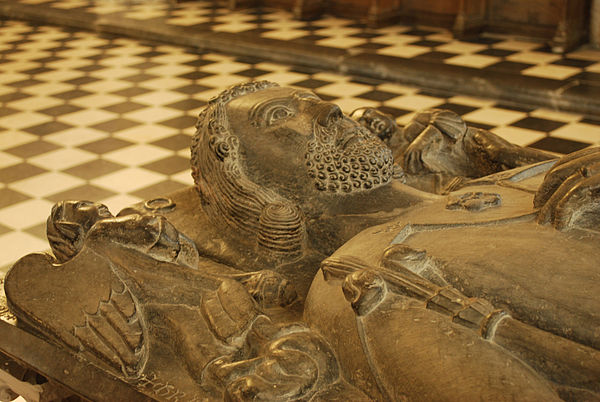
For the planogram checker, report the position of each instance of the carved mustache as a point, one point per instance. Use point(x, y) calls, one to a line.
point(333, 127)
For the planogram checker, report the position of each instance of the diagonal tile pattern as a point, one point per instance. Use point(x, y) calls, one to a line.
point(491, 53)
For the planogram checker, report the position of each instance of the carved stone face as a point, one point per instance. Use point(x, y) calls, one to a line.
point(86, 213)
point(296, 137)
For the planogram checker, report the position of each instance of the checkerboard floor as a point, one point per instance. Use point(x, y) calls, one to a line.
point(489, 52)
point(109, 119)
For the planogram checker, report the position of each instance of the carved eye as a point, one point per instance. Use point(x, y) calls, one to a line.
point(82, 204)
point(278, 113)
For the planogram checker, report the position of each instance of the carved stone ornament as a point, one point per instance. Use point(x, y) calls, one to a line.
point(305, 265)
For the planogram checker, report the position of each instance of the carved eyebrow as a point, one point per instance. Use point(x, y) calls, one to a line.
point(306, 95)
point(258, 110)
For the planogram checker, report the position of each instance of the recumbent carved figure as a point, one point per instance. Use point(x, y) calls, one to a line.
point(427, 296)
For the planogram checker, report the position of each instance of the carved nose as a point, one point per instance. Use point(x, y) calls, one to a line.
point(329, 114)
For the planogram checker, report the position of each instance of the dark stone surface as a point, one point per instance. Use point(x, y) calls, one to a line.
point(305, 265)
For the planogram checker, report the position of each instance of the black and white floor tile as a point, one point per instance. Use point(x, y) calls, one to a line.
point(493, 53)
point(88, 116)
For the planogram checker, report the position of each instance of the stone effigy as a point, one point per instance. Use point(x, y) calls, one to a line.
point(437, 150)
point(305, 265)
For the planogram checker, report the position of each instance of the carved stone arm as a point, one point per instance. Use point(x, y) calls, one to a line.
point(501, 154)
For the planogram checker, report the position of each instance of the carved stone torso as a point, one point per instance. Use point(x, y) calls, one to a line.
point(539, 277)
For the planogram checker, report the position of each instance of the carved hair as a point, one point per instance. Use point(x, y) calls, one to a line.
point(219, 172)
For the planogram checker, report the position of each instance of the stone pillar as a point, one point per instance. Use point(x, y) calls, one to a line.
point(470, 17)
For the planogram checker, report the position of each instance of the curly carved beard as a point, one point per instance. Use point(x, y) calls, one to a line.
point(347, 161)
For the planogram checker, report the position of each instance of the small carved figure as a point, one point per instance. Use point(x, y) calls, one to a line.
point(70, 223)
point(437, 146)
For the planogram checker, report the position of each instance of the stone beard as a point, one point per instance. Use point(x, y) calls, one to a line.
point(351, 162)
